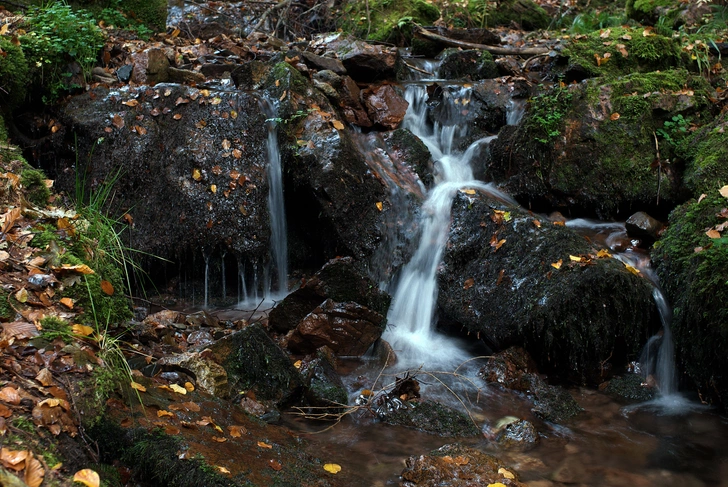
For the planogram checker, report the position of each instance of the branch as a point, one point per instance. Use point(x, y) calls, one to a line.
point(277, 6)
point(506, 51)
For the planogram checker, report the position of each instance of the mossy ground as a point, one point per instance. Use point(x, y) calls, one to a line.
point(13, 75)
point(525, 13)
point(389, 20)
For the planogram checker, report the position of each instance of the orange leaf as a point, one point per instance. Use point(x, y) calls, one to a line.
point(67, 302)
point(537, 223)
point(138, 386)
point(34, 472)
point(264, 445)
point(557, 265)
point(177, 116)
point(87, 477)
point(9, 395)
point(107, 288)
point(162, 413)
point(468, 283)
point(379, 205)
point(712, 233)
point(130, 103)
point(219, 439)
point(236, 431)
point(614, 116)
point(337, 124)
point(275, 465)
point(117, 121)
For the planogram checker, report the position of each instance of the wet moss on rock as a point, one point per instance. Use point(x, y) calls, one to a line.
point(708, 169)
point(526, 13)
point(389, 20)
point(629, 386)
point(693, 269)
point(13, 76)
point(467, 65)
point(36, 190)
point(433, 418)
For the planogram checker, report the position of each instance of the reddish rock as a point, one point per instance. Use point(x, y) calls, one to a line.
point(346, 328)
point(385, 106)
point(350, 102)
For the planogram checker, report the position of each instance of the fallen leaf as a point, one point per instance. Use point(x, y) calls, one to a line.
point(332, 468)
point(189, 386)
point(87, 477)
point(216, 101)
point(537, 223)
point(178, 389)
point(79, 269)
point(632, 269)
point(162, 413)
point(264, 445)
point(34, 472)
point(236, 431)
point(495, 243)
point(712, 233)
point(13, 459)
point(219, 439)
point(468, 191)
point(379, 205)
point(107, 288)
point(213, 188)
point(283, 96)
point(130, 103)
point(497, 484)
point(237, 153)
point(196, 174)
point(223, 469)
point(461, 460)
point(648, 32)
point(5, 412)
point(44, 377)
point(557, 265)
point(468, 283)
point(506, 473)
point(337, 124)
point(574, 258)
point(22, 295)
point(117, 121)
point(614, 116)
point(9, 395)
point(724, 191)
point(560, 224)
point(171, 429)
point(275, 465)
point(177, 116)
point(603, 254)
point(138, 386)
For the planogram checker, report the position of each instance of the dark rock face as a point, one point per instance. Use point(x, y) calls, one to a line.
point(188, 166)
point(629, 386)
point(520, 435)
point(514, 369)
point(468, 65)
point(253, 362)
point(348, 329)
point(364, 62)
point(385, 106)
point(324, 387)
point(338, 280)
point(643, 226)
point(497, 279)
point(432, 417)
point(457, 466)
point(322, 63)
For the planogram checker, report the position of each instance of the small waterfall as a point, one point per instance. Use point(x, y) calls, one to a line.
point(515, 110)
point(411, 317)
point(665, 367)
point(270, 289)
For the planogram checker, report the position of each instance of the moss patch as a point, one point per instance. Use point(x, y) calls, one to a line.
point(13, 75)
point(693, 269)
point(433, 418)
point(35, 189)
point(708, 170)
point(389, 20)
point(527, 14)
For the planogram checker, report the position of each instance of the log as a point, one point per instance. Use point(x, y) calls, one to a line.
point(506, 51)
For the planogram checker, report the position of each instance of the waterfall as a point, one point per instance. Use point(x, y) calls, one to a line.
point(272, 289)
point(411, 317)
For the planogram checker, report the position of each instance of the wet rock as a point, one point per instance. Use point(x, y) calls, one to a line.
point(124, 73)
point(99, 75)
point(515, 369)
point(431, 417)
point(324, 386)
point(150, 67)
point(348, 329)
point(209, 376)
point(338, 280)
point(188, 76)
point(469, 65)
point(254, 362)
point(202, 318)
point(200, 338)
point(363, 61)
point(519, 435)
point(385, 106)
point(571, 320)
point(155, 325)
point(322, 63)
point(457, 466)
point(630, 386)
point(182, 148)
point(350, 103)
point(642, 226)
point(406, 147)
point(591, 158)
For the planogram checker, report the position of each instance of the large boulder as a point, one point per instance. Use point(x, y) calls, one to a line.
point(590, 147)
point(187, 166)
point(514, 279)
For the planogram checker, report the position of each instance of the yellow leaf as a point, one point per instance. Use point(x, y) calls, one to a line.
point(216, 100)
point(507, 216)
point(713, 233)
point(4, 29)
point(557, 265)
point(80, 268)
point(332, 468)
point(506, 473)
point(178, 389)
point(379, 205)
point(724, 191)
point(574, 258)
point(213, 188)
point(82, 330)
point(22, 295)
point(87, 477)
point(138, 386)
point(189, 386)
point(196, 174)
point(162, 413)
point(337, 124)
point(264, 445)
point(468, 191)
point(632, 269)
point(603, 254)
point(497, 484)
point(297, 364)
point(223, 469)
point(34, 472)
point(283, 95)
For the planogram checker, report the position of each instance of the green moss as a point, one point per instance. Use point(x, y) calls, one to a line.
point(471, 65)
point(54, 327)
point(389, 20)
point(433, 418)
point(643, 54)
point(547, 112)
point(693, 269)
point(36, 190)
point(708, 170)
point(644, 9)
point(13, 76)
point(525, 13)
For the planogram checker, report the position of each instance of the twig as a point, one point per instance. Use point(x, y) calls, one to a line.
point(416, 68)
point(507, 51)
point(659, 167)
point(268, 11)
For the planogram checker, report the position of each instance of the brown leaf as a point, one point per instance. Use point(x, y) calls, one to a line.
point(262, 444)
point(87, 477)
point(117, 121)
point(171, 429)
point(5, 412)
point(177, 116)
point(44, 377)
point(275, 465)
point(13, 459)
point(713, 233)
point(19, 329)
point(138, 386)
point(337, 124)
point(495, 243)
point(34, 472)
point(130, 103)
point(237, 431)
point(614, 116)
point(10, 395)
point(107, 288)
point(78, 269)
point(67, 302)
point(10, 217)
point(162, 413)
point(468, 283)
point(219, 439)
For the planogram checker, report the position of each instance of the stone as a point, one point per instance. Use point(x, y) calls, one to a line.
point(150, 67)
point(124, 73)
point(324, 386)
point(202, 318)
point(363, 61)
point(455, 465)
point(350, 103)
point(348, 329)
point(472, 65)
point(210, 376)
point(642, 226)
point(519, 435)
point(431, 417)
point(184, 76)
point(630, 386)
point(321, 63)
point(339, 280)
point(385, 106)
point(255, 363)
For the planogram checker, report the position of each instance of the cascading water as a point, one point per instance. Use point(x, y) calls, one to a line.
point(271, 291)
point(411, 317)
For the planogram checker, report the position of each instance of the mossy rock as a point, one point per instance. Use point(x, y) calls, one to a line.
point(618, 51)
point(693, 269)
point(36, 191)
point(13, 76)
point(434, 418)
point(467, 65)
point(152, 13)
point(708, 169)
point(389, 20)
point(526, 13)
point(629, 386)
point(645, 10)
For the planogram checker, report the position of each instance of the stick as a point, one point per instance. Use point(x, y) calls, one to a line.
point(506, 51)
point(277, 6)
